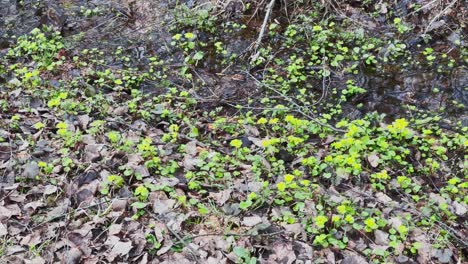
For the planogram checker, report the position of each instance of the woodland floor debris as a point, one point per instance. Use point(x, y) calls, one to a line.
point(144, 132)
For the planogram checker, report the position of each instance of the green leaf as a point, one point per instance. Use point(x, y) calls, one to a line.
point(245, 204)
point(198, 56)
point(316, 28)
point(104, 190)
point(300, 195)
point(241, 252)
point(142, 192)
point(202, 209)
point(39, 125)
point(189, 35)
point(139, 205)
point(236, 143)
point(370, 223)
point(321, 220)
point(253, 261)
point(61, 125)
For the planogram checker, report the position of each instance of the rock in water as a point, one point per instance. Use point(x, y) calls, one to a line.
point(460, 85)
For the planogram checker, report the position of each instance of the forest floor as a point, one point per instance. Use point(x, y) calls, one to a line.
point(136, 131)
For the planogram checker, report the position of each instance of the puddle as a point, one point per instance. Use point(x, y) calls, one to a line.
point(138, 26)
point(391, 92)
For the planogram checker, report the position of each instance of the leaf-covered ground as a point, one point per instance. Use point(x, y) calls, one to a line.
point(154, 132)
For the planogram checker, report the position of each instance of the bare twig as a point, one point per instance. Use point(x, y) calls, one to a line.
point(324, 88)
point(269, 8)
point(201, 144)
point(69, 212)
point(342, 14)
point(192, 251)
point(423, 7)
point(236, 235)
point(452, 232)
point(298, 107)
point(105, 230)
point(435, 18)
point(259, 108)
point(256, 11)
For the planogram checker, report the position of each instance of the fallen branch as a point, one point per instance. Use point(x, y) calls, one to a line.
point(298, 107)
point(435, 18)
point(269, 8)
point(51, 219)
point(195, 255)
point(452, 232)
point(423, 7)
point(236, 235)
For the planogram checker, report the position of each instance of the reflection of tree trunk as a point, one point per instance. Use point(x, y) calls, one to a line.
point(52, 15)
point(459, 85)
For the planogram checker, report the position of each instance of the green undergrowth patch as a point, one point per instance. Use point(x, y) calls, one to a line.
point(296, 159)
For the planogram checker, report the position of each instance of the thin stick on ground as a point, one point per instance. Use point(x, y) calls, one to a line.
point(195, 255)
point(435, 18)
point(423, 7)
point(298, 107)
point(451, 231)
point(237, 235)
point(71, 210)
point(269, 8)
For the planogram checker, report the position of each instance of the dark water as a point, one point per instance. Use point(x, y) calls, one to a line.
point(140, 28)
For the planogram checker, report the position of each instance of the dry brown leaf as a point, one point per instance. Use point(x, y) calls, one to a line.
point(191, 148)
point(60, 210)
point(282, 252)
point(9, 211)
point(32, 206)
point(3, 230)
point(93, 152)
point(162, 206)
point(115, 229)
point(221, 197)
point(165, 248)
point(50, 189)
point(295, 229)
point(373, 160)
point(189, 162)
point(251, 220)
point(36, 260)
point(120, 249)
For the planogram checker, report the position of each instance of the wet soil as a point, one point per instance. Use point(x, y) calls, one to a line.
point(141, 28)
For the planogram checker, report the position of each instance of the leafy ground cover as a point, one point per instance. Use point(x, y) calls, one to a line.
point(339, 136)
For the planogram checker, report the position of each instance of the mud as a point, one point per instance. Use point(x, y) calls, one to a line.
point(141, 27)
